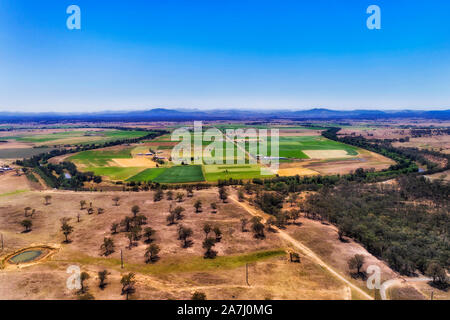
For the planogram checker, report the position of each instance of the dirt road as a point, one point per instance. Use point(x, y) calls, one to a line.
point(304, 249)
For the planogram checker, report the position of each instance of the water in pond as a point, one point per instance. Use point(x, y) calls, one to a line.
point(26, 256)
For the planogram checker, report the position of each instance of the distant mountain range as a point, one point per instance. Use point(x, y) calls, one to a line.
point(161, 114)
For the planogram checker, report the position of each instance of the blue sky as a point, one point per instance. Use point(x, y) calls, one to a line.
point(224, 54)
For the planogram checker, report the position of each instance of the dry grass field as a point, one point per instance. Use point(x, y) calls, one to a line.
point(178, 273)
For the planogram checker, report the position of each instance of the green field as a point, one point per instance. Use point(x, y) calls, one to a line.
point(77, 137)
point(95, 158)
point(115, 173)
point(291, 147)
point(181, 174)
point(238, 172)
point(147, 175)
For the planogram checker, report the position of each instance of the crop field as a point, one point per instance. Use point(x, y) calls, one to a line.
point(147, 175)
point(181, 174)
point(73, 137)
point(19, 153)
point(294, 147)
point(100, 158)
point(224, 172)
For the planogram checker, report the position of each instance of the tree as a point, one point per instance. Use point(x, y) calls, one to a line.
point(100, 210)
point(223, 194)
point(438, 274)
point(136, 232)
point(128, 281)
point(218, 233)
point(66, 228)
point(179, 197)
point(197, 295)
point(241, 195)
point(169, 195)
point(148, 233)
point(178, 211)
point(135, 210)
point(198, 206)
point(171, 218)
point(213, 207)
point(258, 228)
point(107, 247)
point(102, 276)
point(356, 262)
point(83, 277)
point(114, 227)
point(26, 211)
point(190, 191)
point(116, 200)
point(32, 213)
point(27, 224)
point(294, 215)
point(131, 237)
point(140, 220)
point(158, 196)
point(184, 234)
point(270, 223)
point(207, 229)
point(208, 243)
point(126, 223)
point(244, 222)
point(293, 198)
point(90, 210)
point(82, 204)
point(151, 253)
point(47, 199)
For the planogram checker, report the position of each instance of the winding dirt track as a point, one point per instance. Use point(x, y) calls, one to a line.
point(305, 250)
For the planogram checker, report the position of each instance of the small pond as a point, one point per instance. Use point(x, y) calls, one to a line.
point(26, 256)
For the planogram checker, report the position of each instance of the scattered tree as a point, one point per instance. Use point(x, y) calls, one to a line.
point(100, 210)
point(66, 228)
point(213, 207)
point(218, 233)
point(198, 206)
point(135, 210)
point(116, 200)
point(151, 253)
point(128, 284)
point(208, 243)
point(179, 197)
point(184, 234)
point(148, 233)
point(114, 227)
point(197, 295)
point(244, 222)
point(207, 229)
point(84, 276)
point(27, 224)
point(26, 211)
point(436, 272)
point(47, 199)
point(102, 276)
point(258, 228)
point(158, 196)
point(356, 262)
point(223, 194)
point(82, 204)
point(107, 246)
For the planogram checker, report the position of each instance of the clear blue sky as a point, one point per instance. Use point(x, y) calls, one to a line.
point(224, 53)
